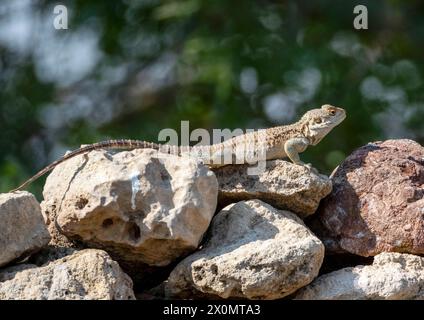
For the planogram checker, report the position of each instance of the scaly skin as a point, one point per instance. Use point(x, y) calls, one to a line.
point(267, 144)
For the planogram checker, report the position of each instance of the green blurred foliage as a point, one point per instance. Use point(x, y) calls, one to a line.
point(219, 64)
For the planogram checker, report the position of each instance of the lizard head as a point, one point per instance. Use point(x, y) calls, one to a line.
point(321, 121)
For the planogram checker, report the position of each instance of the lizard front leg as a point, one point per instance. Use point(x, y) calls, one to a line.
point(293, 147)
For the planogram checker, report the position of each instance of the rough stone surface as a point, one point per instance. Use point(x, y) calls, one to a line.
point(140, 206)
point(392, 276)
point(22, 228)
point(85, 275)
point(283, 185)
point(252, 251)
point(377, 203)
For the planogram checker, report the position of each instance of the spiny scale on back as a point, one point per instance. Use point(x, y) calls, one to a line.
point(278, 142)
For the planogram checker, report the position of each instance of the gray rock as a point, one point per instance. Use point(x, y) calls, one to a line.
point(284, 185)
point(85, 275)
point(253, 251)
point(140, 206)
point(393, 276)
point(22, 227)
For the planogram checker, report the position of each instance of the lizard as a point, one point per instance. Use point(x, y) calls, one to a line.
point(276, 142)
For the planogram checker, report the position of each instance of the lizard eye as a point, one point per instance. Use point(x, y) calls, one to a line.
point(318, 120)
point(332, 112)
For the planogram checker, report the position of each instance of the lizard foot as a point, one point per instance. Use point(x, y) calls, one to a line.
point(311, 168)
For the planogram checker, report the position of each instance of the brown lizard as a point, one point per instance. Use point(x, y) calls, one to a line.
point(275, 143)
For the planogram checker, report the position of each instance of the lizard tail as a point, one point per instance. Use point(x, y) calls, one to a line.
point(110, 144)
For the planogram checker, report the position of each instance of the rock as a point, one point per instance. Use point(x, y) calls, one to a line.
point(142, 207)
point(143, 276)
point(85, 275)
point(377, 203)
point(283, 185)
point(392, 276)
point(22, 228)
point(252, 251)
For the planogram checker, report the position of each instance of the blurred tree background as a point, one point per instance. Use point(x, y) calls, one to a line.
point(129, 68)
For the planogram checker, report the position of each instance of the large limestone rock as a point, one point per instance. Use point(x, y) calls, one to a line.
point(377, 203)
point(140, 206)
point(391, 276)
point(284, 185)
point(86, 275)
point(22, 227)
point(253, 251)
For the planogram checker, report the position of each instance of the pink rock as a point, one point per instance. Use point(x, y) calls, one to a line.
point(377, 202)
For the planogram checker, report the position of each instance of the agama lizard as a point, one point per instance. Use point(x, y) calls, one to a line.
point(277, 142)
